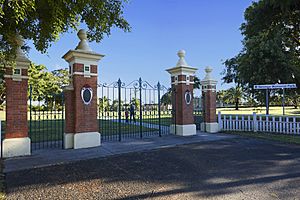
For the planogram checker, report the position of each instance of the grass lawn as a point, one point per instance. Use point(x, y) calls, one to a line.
point(165, 121)
point(276, 110)
point(291, 139)
point(52, 130)
point(108, 127)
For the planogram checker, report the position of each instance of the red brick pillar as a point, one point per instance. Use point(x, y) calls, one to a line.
point(82, 130)
point(182, 80)
point(16, 142)
point(209, 102)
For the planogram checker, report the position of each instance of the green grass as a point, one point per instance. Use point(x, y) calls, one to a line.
point(273, 110)
point(52, 130)
point(291, 139)
point(166, 121)
point(108, 127)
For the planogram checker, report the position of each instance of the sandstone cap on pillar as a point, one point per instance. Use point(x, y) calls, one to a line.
point(82, 55)
point(208, 79)
point(182, 68)
point(20, 56)
point(19, 71)
point(82, 50)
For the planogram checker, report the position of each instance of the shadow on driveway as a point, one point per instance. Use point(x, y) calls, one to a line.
point(238, 168)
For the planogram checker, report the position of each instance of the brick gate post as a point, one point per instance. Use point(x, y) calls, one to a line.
point(16, 142)
point(209, 102)
point(182, 80)
point(81, 127)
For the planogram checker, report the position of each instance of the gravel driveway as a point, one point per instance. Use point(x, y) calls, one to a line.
point(238, 168)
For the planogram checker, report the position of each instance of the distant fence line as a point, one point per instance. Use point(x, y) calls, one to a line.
point(259, 123)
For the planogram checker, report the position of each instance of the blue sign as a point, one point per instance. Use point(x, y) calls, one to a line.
point(275, 86)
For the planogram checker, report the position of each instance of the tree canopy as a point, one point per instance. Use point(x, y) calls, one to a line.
point(43, 21)
point(271, 51)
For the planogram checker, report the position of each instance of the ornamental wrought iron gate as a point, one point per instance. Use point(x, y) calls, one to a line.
point(199, 112)
point(46, 119)
point(134, 110)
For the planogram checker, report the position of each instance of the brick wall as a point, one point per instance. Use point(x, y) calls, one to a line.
point(80, 117)
point(16, 108)
point(85, 115)
point(210, 106)
point(184, 112)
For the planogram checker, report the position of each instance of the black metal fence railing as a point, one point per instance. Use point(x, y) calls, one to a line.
point(198, 118)
point(46, 120)
point(135, 110)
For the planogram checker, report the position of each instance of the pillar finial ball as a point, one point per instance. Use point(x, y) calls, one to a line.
point(208, 69)
point(20, 40)
point(181, 53)
point(82, 34)
point(83, 44)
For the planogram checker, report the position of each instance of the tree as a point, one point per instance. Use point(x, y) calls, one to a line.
point(103, 104)
point(271, 49)
point(115, 105)
point(166, 98)
point(233, 96)
point(47, 86)
point(197, 84)
point(135, 102)
point(44, 21)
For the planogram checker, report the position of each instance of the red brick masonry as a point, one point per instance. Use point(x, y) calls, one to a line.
point(80, 117)
point(183, 112)
point(16, 107)
point(209, 106)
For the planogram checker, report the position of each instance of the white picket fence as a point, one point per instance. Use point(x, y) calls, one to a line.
point(259, 123)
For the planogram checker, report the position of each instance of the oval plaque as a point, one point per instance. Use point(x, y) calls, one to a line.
point(86, 95)
point(188, 97)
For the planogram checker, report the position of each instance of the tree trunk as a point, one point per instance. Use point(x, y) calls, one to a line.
point(237, 104)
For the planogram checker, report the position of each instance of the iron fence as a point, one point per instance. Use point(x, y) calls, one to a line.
point(46, 119)
point(135, 110)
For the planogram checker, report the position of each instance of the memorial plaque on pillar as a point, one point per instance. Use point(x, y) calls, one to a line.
point(188, 97)
point(86, 95)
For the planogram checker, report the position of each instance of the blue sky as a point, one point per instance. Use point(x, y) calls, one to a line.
point(208, 30)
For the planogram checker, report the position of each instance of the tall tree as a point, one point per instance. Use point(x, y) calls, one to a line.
point(103, 104)
point(47, 86)
point(43, 21)
point(271, 51)
point(233, 96)
point(166, 98)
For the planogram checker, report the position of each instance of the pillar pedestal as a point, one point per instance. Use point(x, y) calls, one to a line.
point(13, 147)
point(208, 84)
point(182, 80)
point(81, 127)
point(16, 142)
point(183, 130)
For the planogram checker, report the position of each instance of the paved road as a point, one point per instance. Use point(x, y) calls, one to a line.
point(237, 168)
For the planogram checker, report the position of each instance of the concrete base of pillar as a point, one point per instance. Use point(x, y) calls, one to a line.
point(68, 140)
point(13, 147)
point(82, 140)
point(86, 140)
point(212, 127)
point(183, 130)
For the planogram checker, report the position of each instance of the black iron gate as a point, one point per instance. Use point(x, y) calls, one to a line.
point(46, 119)
point(198, 112)
point(133, 110)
